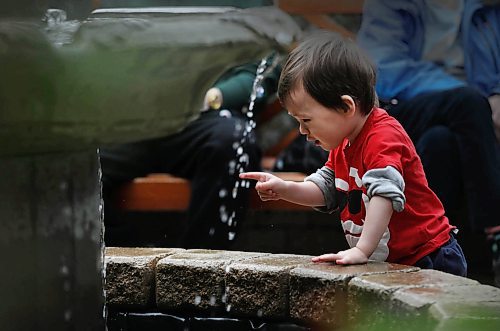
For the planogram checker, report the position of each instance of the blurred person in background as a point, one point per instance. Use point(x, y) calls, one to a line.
point(439, 74)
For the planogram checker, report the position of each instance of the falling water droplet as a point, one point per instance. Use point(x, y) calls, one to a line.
point(222, 193)
point(239, 151)
point(67, 315)
point(228, 308)
point(197, 300)
point(244, 159)
point(213, 300)
point(211, 232)
point(260, 92)
point(231, 236)
point(64, 270)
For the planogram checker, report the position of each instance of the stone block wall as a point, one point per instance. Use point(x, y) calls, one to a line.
point(291, 288)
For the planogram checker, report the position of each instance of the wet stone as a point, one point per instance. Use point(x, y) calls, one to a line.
point(195, 279)
point(455, 307)
point(441, 293)
point(452, 307)
point(464, 316)
point(318, 291)
point(260, 287)
point(130, 275)
point(394, 300)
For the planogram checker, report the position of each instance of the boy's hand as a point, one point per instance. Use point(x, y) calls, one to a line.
point(351, 256)
point(269, 187)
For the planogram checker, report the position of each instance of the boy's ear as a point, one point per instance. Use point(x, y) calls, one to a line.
point(350, 105)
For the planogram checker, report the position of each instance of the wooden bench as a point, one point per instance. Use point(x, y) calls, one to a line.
point(317, 12)
point(164, 192)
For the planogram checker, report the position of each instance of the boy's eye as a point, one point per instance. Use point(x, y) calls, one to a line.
point(305, 120)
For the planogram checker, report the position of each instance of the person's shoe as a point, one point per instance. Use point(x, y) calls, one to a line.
point(495, 250)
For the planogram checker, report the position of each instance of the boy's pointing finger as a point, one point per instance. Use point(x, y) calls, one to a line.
point(260, 176)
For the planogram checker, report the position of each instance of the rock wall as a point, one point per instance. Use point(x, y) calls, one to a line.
point(291, 287)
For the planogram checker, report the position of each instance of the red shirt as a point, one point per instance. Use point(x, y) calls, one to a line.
point(421, 227)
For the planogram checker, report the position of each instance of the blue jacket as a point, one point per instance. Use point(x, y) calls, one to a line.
point(392, 33)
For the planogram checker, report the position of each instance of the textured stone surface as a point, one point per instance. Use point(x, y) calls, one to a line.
point(122, 78)
point(465, 315)
point(454, 306)
point(130, 279)
point(50, 242)
point(374, 296)
point(401, 299)
point(195, 279)
point(318, 291)
point(260, 286)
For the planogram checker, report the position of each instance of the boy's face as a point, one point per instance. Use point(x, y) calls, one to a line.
point(325, 127)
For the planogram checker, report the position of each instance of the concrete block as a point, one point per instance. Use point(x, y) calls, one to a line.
point(195, 279)
point(454, 307)
point(397, 300)
point(130, 275)
point(464, 316)
point(318, 291)
point(260, 287)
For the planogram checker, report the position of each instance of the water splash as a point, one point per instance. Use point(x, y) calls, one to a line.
point(242, 159)
point(59, 30)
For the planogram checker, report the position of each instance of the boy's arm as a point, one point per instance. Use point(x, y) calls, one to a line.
point(385, 188)
point(378, 215)
point(271, 187)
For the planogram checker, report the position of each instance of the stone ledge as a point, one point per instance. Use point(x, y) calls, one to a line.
point(130, 275)
point(283, 286)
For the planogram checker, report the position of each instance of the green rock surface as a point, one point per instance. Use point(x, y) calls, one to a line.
point(122, 75)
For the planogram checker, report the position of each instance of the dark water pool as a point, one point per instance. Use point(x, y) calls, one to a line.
point(133, 321)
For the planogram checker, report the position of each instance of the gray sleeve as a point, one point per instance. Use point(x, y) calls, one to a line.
point(388, 183)
point(324, 178)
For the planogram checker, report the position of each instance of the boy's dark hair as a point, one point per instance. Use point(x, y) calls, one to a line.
point(328, 67)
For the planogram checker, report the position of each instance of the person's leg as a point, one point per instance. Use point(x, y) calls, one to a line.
point(301, 156)
point(438, 150)
point(208, 155)
point(468, 115)
point(120, 164)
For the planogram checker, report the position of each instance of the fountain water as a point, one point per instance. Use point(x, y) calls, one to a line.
point(241, 161)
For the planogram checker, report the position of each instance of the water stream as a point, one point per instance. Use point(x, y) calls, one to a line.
point(241, 161)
